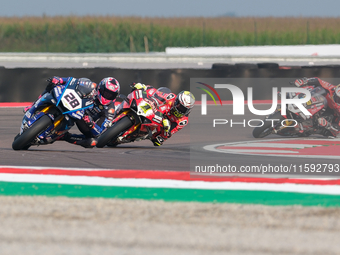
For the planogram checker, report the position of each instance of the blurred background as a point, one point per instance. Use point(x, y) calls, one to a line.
point(105, 26)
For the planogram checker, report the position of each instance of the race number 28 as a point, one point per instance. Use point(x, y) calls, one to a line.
point(72, 100)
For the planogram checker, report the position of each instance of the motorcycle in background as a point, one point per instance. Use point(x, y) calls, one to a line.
point(295, 123)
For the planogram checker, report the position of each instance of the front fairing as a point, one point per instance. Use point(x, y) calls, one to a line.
point(143, 111)
point(71, 100)
point(35, 112)
point(52, 132)
point(64, 105)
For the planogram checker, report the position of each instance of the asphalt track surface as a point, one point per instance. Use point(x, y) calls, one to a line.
point(202, 134)
point(42, 225)
point(139, 155)
point(176, 154)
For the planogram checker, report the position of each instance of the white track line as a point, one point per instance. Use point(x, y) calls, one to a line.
point(150, 183)
point(213, 148)
point(275, 145)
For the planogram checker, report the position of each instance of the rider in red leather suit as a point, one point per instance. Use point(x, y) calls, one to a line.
point(333, 102)
point(175, 110)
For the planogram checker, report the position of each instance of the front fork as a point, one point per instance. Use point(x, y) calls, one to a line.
point(287, 123)
point(57, 121)
point(130, 130)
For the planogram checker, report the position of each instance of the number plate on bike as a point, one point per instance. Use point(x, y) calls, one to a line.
point(71, 100)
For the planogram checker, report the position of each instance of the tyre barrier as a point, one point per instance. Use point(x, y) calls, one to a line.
point(25, 84)
point(224, 66)
point(268, 65)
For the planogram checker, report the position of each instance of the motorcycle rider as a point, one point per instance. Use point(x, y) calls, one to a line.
point(333, 102)
point(96, 118)
point(175, 110)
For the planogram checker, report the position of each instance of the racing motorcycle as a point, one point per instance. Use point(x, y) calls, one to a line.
point(53, 115)
point(296, 123)
point(136, 119)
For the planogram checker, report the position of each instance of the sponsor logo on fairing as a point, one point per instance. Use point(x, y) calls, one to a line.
point(157, 119)
point(183, 123)
point(170, 96)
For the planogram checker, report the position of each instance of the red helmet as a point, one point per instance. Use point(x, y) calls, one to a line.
point(107, 90)
point(184, 102)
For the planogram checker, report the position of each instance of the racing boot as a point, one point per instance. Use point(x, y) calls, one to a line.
point(80, 140)
point(157, 141)
point(88, 143)
point(329, 130)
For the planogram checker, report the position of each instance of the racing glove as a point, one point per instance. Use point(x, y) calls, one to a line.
point(138, 86)
point(166, 127)
point(301, 82)
point(88, 120)
point(306, 82)
point(53, 81)
point(96, 130)
point(158, 141)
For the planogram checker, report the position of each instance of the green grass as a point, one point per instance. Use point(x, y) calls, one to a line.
point(98, 35)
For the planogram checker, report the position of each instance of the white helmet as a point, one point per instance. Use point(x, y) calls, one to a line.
point(184, 102)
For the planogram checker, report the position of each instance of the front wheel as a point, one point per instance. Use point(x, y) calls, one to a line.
point(267, 129)
point(22, 142)
point(112, 132)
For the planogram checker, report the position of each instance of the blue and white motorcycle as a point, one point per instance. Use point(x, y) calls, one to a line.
point(53, 114)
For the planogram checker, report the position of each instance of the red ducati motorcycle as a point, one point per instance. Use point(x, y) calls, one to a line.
point(136, 119)
point(295, 123)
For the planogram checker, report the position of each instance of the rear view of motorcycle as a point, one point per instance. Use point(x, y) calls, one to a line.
point(53, 115)
point(295, 122)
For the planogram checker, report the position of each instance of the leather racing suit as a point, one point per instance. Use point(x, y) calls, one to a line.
point(334, 127)
point(94, 120)
point(171, 123)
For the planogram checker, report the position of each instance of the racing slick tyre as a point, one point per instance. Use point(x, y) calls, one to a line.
point(22, 142)
point(222, 66)
point(267, 129)
point(24, 148)
point(243, 66)
point(112, 132)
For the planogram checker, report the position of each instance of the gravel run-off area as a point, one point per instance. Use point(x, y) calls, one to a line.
point(60, 225)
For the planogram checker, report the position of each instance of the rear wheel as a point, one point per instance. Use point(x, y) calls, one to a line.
point(267, 129)
point(112, 132)
point(22, 142)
